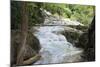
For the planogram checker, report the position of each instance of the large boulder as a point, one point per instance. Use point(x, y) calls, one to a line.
point(72, 34)
point(32, 46)
point(87, 42)
point(33, 42)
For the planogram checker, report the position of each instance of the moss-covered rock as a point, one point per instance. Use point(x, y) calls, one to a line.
point(72, 34)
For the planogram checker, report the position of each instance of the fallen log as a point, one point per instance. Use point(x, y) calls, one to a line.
point(32, 60)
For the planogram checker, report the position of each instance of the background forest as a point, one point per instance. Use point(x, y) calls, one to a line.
point(81, 13)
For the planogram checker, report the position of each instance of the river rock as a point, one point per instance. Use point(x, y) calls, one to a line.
point(87, 42)
point(72, 34)
point(32, 46)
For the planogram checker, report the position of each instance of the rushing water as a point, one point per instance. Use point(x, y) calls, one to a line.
point(54, 46)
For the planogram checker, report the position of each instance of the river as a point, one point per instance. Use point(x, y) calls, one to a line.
point(54, 46)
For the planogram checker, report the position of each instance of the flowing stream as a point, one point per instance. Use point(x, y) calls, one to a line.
point(54, 46)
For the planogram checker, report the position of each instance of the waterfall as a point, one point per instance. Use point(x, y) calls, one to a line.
point(54, 46)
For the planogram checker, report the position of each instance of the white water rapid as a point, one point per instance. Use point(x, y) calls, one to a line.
point(54, 46)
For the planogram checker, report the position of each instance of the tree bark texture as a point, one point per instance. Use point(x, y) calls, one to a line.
point(24, 30)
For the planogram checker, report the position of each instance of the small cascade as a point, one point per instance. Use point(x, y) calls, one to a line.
point(54, 46)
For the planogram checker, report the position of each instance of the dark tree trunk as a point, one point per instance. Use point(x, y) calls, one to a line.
point(87, 42)
point(24, 30)
point(91, 34)
point(91, 42)
point(24, 45)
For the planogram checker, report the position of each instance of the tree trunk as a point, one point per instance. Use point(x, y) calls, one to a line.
point(91, 42)
point(24, 30)
point(87, 42)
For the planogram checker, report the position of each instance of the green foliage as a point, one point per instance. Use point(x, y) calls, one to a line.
point(15, 15)
point(34, 14)
point(81, 13)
